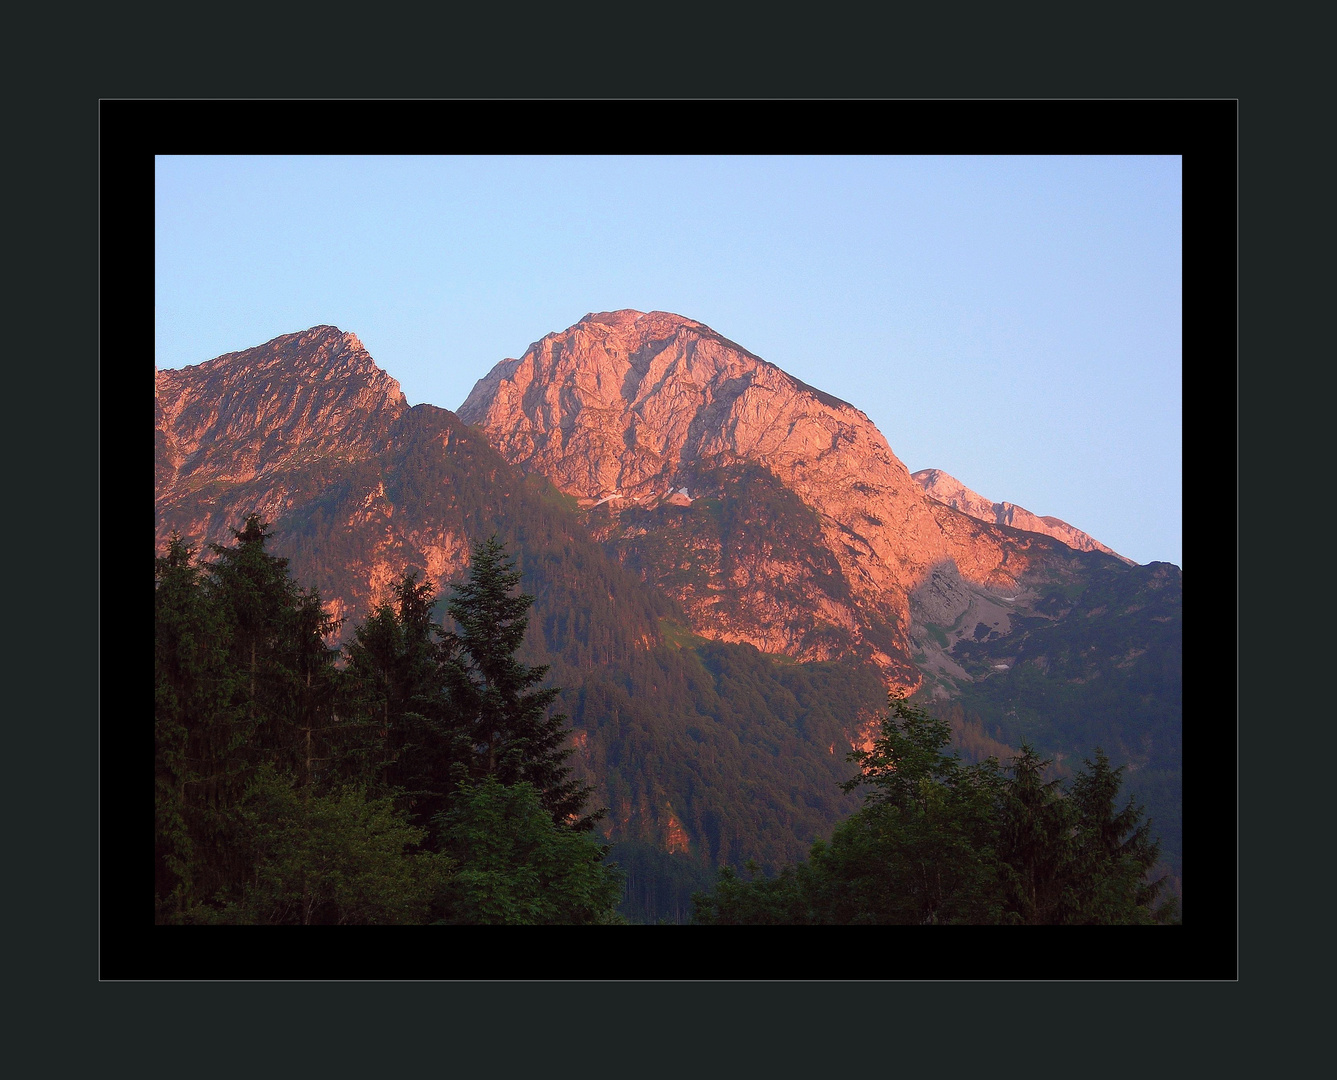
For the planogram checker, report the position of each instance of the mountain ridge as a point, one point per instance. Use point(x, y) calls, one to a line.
point(948, 490)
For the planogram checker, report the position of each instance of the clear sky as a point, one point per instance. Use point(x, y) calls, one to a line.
point(1013, 321)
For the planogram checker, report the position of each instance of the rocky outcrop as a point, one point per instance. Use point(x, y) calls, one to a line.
point(951, 492)
point(676, 839)
point(632, 412)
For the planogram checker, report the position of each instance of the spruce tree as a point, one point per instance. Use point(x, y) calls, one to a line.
point(1034, 844)
point(515, 737)
point(402, 679)
point(1113, 853)
point(198, 775)
point(277, 636)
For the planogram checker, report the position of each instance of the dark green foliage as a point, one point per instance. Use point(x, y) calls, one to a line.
point(400, 677)
point(516, 866)
point(244, 681)
point(939, 842)
point(736, 901)
point(920, 848)
point(1113, 853)
point(659, 884)
point(284, 784)
point(332, 859)
point(1034, 845)
point(277, 643)
point(196, 731)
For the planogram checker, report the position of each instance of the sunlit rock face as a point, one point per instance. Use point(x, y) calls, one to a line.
point(298, 430)
point(232, 421)
point(632, 413)
point(949, 490)
point(300, 395)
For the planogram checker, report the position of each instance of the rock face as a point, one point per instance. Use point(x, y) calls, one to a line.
point(950, 491)
point(231, 425)
point(635, 414)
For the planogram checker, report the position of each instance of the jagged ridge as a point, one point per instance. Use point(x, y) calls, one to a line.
point(951, 492)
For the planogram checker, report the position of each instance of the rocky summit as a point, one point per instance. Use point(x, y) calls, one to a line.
point(831, 546)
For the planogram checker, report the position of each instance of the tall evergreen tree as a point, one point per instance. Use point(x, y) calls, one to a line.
point(1034, 844)
point(403, 679)
point(243, 678)
point(1113, 853)
point(198, 775)
point(278, 647)
point(334, 857)
point(516, 738)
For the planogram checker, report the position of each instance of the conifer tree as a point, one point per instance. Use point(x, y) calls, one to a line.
point(1113, 853)
point(196, 731)
point(278, 648)
point(515, 737)
point(1034, 844)
point(400, 673)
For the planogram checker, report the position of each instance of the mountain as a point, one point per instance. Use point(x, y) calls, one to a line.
point(730, 568)
point(950, 491)
point(775, 513)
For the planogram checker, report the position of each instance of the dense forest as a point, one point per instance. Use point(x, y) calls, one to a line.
point(415, 776)
point(422, 775)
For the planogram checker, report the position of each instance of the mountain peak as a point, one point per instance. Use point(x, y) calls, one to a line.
point(626, 318)
point(311, 350)
point(301, 395)
point(629, 399)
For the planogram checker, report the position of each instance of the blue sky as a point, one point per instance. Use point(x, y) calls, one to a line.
point(1013, 321)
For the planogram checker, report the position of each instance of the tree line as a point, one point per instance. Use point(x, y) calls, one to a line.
point(416, 775)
